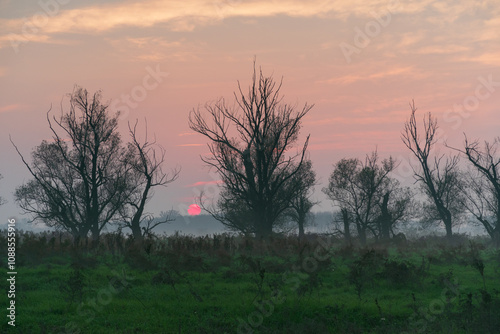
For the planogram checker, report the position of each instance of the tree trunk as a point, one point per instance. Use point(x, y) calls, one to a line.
point(445, 216)
point(263, 232)
point(347, 230)
point(361, 233)
point(79, 235)
point(263, 229)
point(385, 219)
point(136, 232)
point(447, 225)
point(301, 221)
point(95, 235)
point(263, 224)
point(301, 229)
point(385, 229)
point(495, 237)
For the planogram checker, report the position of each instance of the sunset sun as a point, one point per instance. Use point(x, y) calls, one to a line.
point(194, 210)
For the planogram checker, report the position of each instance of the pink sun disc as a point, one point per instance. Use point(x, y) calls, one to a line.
point(194, 210)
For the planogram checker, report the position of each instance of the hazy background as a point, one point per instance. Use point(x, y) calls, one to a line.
point(359, 62)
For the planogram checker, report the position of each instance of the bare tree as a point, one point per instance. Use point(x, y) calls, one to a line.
point(343, 191)
point(79, 181)
point(482, 195)
point(145, 160)
point(249, 146)
point(439, 178)
point(357, 188)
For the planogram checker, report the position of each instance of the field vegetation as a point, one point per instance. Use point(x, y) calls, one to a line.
point(234, 284)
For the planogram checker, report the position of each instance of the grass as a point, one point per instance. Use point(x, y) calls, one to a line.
point(184, 284)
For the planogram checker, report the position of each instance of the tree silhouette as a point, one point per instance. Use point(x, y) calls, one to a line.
point(85, 178)
point(482, 189)
point(396, 205)
point(440, 178)
point(145, 160)
point(79, 182)
point(359, 189)
point(249, 147)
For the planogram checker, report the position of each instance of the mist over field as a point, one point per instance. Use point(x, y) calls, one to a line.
point(203, 225)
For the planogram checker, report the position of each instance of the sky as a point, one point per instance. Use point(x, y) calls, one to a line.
point(359, 62)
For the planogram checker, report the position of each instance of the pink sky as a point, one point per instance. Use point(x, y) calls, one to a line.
point(360, 63)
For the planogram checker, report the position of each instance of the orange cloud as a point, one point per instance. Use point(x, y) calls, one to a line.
point(204, 183)
point(182, 15)
point(351, 78)
point(185, 15)
point(10, 107)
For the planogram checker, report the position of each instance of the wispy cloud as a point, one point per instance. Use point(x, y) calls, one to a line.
point(10, 107)
point(181, 15)
point(354, 120)
point(204, 183)
point(391, 72)
point(443, 49)
point(189, 199)
point(487, 58)
point(176, 15)
point(187, 134)
point(356, 140)
point(188, 15)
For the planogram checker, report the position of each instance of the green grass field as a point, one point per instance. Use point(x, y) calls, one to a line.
point(205, 285)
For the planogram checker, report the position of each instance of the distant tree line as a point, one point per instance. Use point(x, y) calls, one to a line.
point(371, 201)
point(86, 178)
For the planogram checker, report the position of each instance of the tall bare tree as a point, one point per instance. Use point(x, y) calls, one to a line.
point(439, 177)
point(249, 146)
point(145, 160)
point(79, 182)
point(482, 195)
